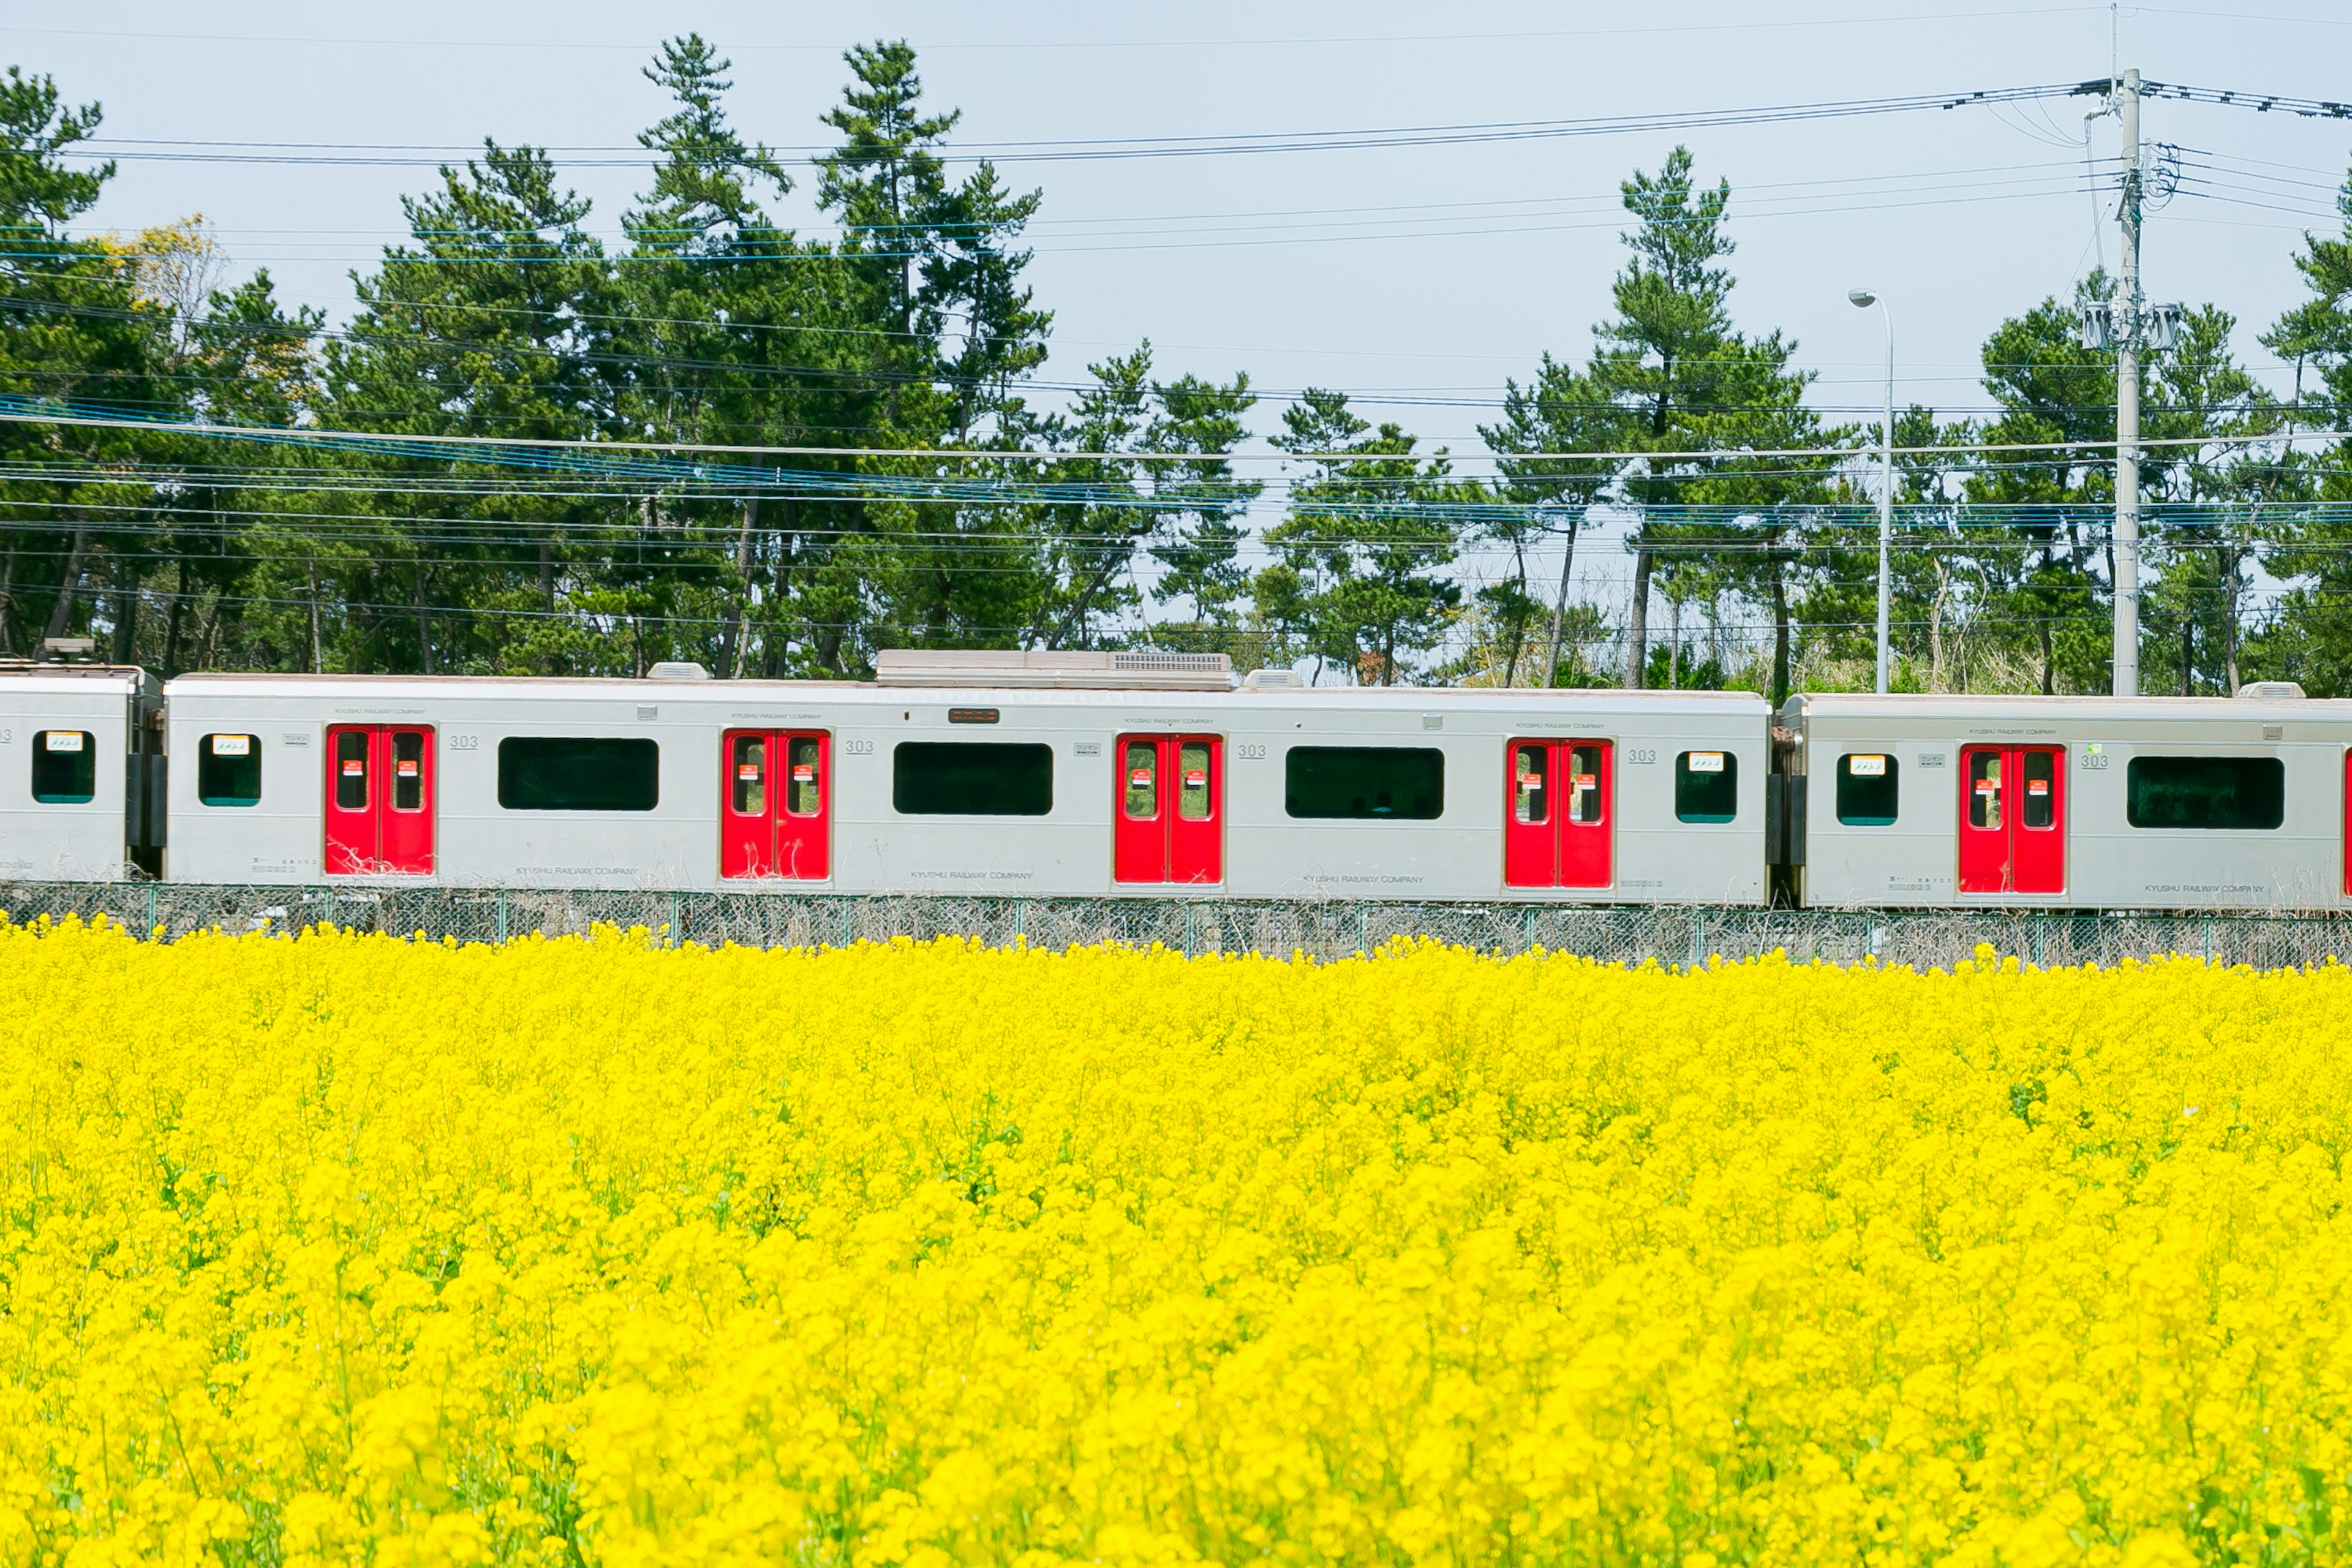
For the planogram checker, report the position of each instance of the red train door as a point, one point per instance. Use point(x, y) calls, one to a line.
point(379, 800)
point(776, 804)
point(1559, 824)
point(1169, 823)
point(2013, 819)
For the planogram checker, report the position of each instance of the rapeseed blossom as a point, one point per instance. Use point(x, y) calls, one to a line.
point(339, 1248)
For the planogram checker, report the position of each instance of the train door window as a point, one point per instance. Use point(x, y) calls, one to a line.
point(1557, 831)
point(1984, 787)
point(1164, 834)
point(806, 759)
point(228, 770)
point(2039, 769)
point(378, 816)
point(1584, 798)
point(65, 767)
point(1706, 787)
point(1867, 789)
point(773, 827)
point(1531, 798)
point(748, 775)
point(351, 762)
point(1193, 765)
point(1142, 770)
point(408, 770)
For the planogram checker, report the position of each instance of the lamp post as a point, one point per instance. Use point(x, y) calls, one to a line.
point(1863, 299)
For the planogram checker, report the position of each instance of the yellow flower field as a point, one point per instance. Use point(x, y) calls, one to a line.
point(344, 1250)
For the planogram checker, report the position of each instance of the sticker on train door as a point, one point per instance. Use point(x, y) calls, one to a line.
point(380, 805)
point(1168, 819)
point(775, 811)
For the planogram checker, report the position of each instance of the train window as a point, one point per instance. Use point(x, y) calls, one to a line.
point(408, 770)
point(1143, 793)
point(2206, 792)
point(1192, 781)
point(1387, 783)
point(65, 767)
point(980, 778)
point(1706, 787)
point(228, 770)
point(804, 794)
point(1531, 801)
point(1584, 764)
point(579, 772)
point(1867, 789)
point(351, 771)
point(2041, 809)
point(751, 782)
point(1984, 788)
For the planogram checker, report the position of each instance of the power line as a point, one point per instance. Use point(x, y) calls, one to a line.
point(1066, 150)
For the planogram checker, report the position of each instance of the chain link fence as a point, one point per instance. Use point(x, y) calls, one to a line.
point(1325, 930)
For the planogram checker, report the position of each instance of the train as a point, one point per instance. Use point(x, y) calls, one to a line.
point(1154, 775)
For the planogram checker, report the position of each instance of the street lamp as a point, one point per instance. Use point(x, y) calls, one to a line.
point(1863, 299)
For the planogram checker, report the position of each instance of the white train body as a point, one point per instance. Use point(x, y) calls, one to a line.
point(672, 839)
point(1152, 775)
point(74, 743)
point(2152, 803)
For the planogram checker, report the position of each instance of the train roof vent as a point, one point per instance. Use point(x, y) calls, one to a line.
point(1272, 681)
point(2272, 690)
point(677, 670)
point(1144, 669)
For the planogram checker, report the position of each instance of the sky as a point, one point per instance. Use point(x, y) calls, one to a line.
point(1417, 280)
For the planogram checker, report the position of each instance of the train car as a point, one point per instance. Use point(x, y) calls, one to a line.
point(1083, 774)
point(80, 773)
point(2147, 802)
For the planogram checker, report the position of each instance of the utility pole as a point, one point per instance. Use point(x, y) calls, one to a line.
point(1864, 299)
point(2128, 340)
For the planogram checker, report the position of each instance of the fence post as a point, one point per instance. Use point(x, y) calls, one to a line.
point(150, 911)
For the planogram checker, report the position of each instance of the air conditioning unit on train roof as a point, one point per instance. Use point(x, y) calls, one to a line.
point(1138, 669)
point(2272, 690)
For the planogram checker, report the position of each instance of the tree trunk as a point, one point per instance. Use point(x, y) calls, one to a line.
point(2187, 653)
point(126, 609)
point(318, 643)
point(173, 620)
point(424, 623)
point(1559, 601)
point(1674, 643)
point(2227, 559)
point(1637, 622)
point(8, 602)
point(1780, 636)
point(61, 613)
point(731, 632)
point(1936, 623)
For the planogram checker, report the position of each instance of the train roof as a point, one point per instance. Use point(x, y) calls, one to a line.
point(2264, 701)
point(29, 676)
point(428, 688)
